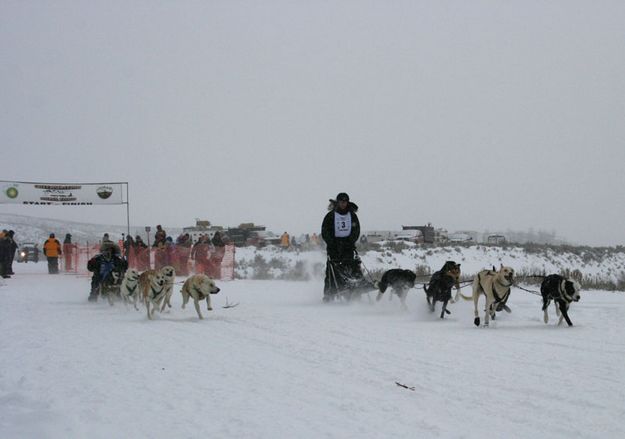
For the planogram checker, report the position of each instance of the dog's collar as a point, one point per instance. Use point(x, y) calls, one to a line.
point(506, 286)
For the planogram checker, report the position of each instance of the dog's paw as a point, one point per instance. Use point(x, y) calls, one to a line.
point(209, 308)
point(476, 321)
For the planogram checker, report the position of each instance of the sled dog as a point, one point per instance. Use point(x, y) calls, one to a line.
point(169, 273)
point(495, 286)
point(400, 281)
point(199, 287)
point(110, 286)
point(129, 288)
point(563, 292)
point(440, 285)
point(152, 288)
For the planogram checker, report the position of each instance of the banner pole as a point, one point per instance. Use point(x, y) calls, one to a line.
point(127, 211)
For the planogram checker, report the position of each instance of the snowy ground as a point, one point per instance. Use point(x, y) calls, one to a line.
point(282, 364)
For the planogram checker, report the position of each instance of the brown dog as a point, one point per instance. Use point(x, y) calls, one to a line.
point(152, 287)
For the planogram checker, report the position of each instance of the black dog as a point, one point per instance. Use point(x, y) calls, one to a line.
point(400, 281)
point(562, 291)
point(440, 285)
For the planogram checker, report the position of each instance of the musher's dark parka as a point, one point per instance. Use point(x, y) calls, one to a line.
point(340, 248)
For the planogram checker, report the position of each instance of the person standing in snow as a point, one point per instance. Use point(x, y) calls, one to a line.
point(12, 248)
point(340, 231)
point(68, 251)
point(52, 250)
point(4, 254)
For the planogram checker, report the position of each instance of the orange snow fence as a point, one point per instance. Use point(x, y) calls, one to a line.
point(216, 262)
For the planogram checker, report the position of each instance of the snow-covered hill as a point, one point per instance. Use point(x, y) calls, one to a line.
point(34, 229)
point(596, 265)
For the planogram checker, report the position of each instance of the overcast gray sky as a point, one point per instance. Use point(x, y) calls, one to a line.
point(469, 115)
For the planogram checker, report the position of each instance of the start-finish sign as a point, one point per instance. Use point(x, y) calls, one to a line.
point(65, 194)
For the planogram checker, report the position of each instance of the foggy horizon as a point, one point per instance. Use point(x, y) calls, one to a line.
point(469, 116)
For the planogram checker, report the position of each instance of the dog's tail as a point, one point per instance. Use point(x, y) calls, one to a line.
point(476, 287)
point(465, 297)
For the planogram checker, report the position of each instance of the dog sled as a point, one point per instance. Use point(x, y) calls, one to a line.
point(345, 281)
point(107, 277)
point(110, 286)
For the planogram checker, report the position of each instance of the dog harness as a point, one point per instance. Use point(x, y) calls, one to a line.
point(505, 295)
point(132, 290)
point(497, 298)
point(199, 293)
point(560, 292)
point(564, 293)
point(155, 293)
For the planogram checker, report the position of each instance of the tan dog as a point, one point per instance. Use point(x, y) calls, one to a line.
point(200, 287)
point(169, 273)
point(495, 285)
point(129, 290)
point(152, 288)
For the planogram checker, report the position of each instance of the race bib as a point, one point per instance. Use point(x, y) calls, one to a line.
point(342, 225)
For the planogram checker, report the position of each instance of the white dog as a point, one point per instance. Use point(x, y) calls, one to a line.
point(495, 286)
point(200, 287)
point(129, 288)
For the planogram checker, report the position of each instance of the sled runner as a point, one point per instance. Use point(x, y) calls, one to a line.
point(346, 281)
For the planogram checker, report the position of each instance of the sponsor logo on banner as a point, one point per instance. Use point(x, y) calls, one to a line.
point(104, 192)
point(11, 192)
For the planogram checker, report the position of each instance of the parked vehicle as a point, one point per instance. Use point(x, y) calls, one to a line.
point(28, 251)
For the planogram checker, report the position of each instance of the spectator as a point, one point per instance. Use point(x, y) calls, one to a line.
point(199, 253)
point(36, 252)
point(68, 251)
point(183, 249)
point(4, 254)
point(52, 250)
point(142, 254)
point(314, 240)
point(217, 255)
point(12, 250)
point(285, 240)
point(159, 236)
point(107, 243)
point(129, 245)
point(171, 254)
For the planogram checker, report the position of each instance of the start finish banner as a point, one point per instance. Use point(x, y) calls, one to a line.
point(65, 194)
